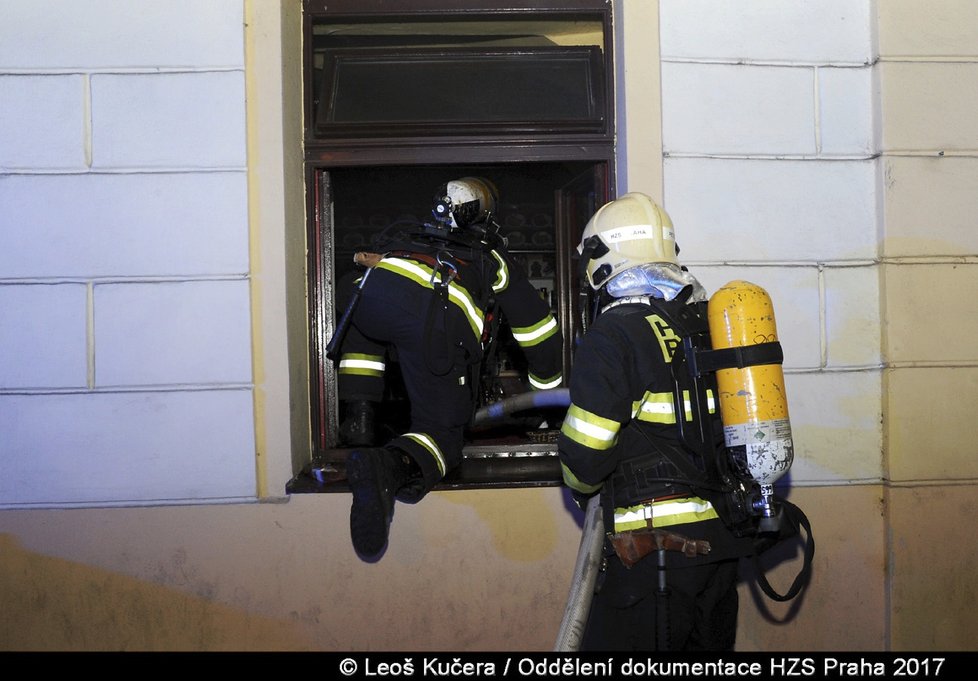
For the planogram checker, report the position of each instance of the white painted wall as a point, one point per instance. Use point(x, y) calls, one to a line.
point(771, 174)
point(125, 313)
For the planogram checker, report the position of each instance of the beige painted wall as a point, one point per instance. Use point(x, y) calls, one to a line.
point(464, 571)
point(929, 95)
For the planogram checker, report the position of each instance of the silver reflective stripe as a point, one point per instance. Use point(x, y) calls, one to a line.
point(595, 432)
point(527, 337)
point(540, 385)
point(502, 274)
point(432, 448)
point(362, 364)
point(657, 407)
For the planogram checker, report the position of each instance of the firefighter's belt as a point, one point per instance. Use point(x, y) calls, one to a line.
point(632, 546)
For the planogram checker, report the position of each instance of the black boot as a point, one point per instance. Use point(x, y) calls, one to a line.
point(357, 429)
point(374, 476)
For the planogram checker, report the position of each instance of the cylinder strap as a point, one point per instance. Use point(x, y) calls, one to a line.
point(708, 361)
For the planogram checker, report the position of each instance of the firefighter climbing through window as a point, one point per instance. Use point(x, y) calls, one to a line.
point(428, 299)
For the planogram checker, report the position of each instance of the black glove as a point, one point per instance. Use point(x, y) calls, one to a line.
point(581, 499)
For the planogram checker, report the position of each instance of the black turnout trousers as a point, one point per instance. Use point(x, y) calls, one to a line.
point(702, 604)
point(435, 351)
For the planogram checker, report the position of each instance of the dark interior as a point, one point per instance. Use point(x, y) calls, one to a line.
point(370, 201)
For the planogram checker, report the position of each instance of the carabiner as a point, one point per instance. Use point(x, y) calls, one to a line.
point(443, 265)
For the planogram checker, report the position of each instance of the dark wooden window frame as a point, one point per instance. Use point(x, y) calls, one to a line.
point(353, 146)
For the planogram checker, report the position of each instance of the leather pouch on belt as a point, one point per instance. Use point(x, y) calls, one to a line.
point(633, 545)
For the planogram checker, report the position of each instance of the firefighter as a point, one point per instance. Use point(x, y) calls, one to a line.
point(669, 574)
point(425, 301)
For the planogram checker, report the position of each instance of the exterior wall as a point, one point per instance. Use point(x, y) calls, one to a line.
point(124, 261)
point(464, 572)
point(826, 151)
point(929, 79)
point(147, 291)
point(203, 240)
point(772, 175)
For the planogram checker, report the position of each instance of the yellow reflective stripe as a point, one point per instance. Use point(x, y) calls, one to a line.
point(422, 274)
point(664, 513)
point(658, 407)
point(429, 445)
point(655, 408)
point(589, 430)
point(544, 383)
point(571, 481)
point(355, 363)
point(688, 405)
point(502, 274)
point(528, 336)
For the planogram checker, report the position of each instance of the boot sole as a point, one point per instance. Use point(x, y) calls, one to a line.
point(369, 515)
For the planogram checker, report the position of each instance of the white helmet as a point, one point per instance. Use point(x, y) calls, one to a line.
point(631, 230)
point(465, 202)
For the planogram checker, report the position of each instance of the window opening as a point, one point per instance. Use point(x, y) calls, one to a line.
point(371, 168)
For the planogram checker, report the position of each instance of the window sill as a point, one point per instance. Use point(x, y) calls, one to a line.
point(483, 467)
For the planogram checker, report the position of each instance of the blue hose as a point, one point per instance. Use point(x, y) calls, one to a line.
point(535, 399)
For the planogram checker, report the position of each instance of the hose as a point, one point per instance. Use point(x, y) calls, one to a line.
point(592, 539)
point(535, 399)
point(585, 573)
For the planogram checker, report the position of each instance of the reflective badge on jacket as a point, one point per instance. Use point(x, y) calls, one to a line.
point(668, 340)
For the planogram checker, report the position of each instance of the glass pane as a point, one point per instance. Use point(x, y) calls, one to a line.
point(547, 86)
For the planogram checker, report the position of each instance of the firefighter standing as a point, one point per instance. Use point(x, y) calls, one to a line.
point(620, 439)
point(427, 300)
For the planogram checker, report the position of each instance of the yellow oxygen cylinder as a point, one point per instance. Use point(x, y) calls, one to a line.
point(753, 402)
